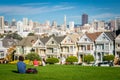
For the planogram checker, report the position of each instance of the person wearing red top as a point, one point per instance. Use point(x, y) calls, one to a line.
point(35, 62)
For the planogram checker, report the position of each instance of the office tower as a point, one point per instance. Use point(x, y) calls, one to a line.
point(54, 24)
point(6, 23)
point(1, 22)
point(84, 19)
point(30, 23)
point(47, 23)
point(71, 25)
point(111, 25)
point(20, 26)
point(65, 25)
point(98, 25)
point(13, 23)
point(117, 23)
point(25, 21)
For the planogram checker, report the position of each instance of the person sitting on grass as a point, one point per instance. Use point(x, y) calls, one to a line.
point(21, 66)
point(36, 62)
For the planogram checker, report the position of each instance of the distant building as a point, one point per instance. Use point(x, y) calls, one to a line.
point(25, 21)
point(30, 23)
point(1, 22)
point(65, 25)
point(54, 24)
point(71, 25)
point(117, 23)
point(13, 23)
point(6, 23)
point(111, 25)
point(84, 19)
point(98, 25)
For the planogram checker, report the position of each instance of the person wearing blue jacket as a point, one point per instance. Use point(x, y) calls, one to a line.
point(21, 66)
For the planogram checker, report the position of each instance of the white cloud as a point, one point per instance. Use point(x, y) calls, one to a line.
point(34, 4)
point(28, 10)
point(104, 15)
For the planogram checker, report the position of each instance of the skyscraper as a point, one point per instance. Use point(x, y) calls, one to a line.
point(117, 23)
point(25, 21)
point(65, 25)
point(84, 19)
point(1, 22)
point(13, 23)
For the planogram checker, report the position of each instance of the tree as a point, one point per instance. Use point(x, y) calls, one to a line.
point(10, 53)
point(14, 36)
point(31, 34)
point(108, 57)
point(32, 56)
point(88, 58)
point(71, 59)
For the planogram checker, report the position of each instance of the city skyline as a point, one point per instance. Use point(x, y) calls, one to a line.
point(53, 10)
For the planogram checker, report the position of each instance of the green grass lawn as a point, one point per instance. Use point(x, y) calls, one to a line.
point(61, 72)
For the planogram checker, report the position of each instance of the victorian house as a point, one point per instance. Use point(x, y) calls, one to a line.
point(68, 46)
point(25, 46)
point(53, 46)
point(86, 45)
point(117, 46)
point(104, 45)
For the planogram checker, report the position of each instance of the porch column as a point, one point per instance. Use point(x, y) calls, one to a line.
point(101, 57)
point(104, 47)
point(86, 47)
point(109, 48)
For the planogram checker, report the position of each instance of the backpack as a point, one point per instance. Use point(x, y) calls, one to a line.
point(31, 70)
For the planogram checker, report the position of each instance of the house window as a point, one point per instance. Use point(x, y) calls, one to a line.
point(1, 54)
point(55, 49)
point(71, 49)
point(118, 45)
point(103, 37)
point(88, 47)
point(107, 46)
point(85, 39)
point(52, 42)
point(39, 43)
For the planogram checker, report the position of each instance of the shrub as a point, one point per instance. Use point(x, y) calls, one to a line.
point(52, 60)
point(88, 58)
point(71, 59)
point(108, 57)
point(13, 62)
point(32, 56)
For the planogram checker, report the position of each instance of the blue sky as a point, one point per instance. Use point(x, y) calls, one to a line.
point(42, 10)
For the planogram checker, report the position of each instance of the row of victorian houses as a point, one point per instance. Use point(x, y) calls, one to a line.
point(97, 44)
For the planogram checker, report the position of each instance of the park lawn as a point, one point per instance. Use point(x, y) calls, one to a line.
point(61, 72)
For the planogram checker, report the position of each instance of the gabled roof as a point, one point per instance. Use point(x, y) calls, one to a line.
point(118, 37)
point(74, 37)
point(93, 36)
point(45, 40)
point(59, 38)
point(111, 35)
point(28, 41)
point(9, 42)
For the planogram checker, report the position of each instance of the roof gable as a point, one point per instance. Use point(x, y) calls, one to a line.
point(52, 41)
point(111, 35)
point(118, 37)
point(103, 37)
point(28, 41)
point(59, 39)
point(67, 40)
point(84, 38)
point(38, 43)
point(93, 36)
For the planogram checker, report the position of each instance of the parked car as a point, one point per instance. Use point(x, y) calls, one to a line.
point(104, 63)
